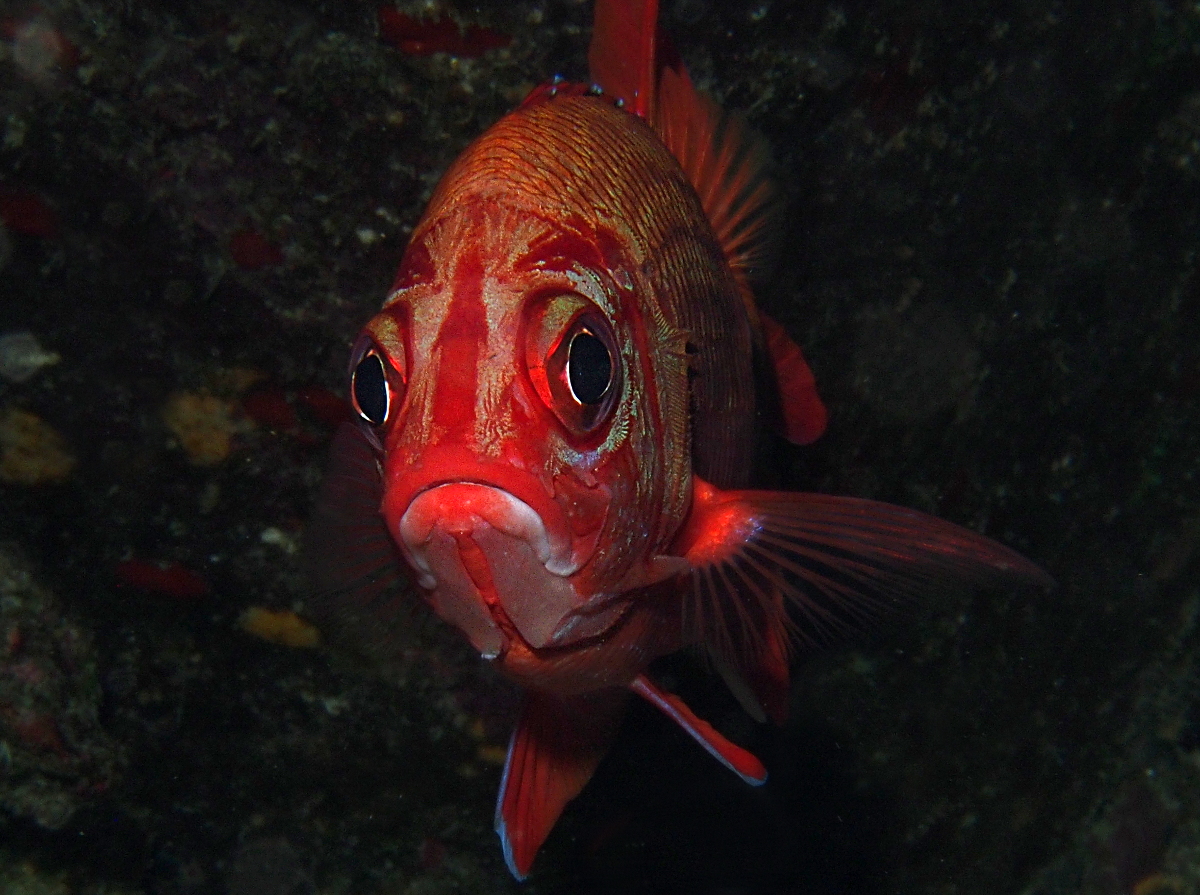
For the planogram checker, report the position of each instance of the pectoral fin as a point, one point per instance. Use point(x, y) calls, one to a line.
point(357, 588)
point(553, 753)
point(773, 568)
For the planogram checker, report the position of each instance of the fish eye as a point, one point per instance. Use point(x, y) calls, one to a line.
point(572, 358)
point(378, 373)
point(589, 367)
point(369, 388)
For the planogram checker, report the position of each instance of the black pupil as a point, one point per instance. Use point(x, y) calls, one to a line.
point(589, 368)
point(370, 389)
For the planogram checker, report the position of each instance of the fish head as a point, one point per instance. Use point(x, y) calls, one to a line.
point(527, 390)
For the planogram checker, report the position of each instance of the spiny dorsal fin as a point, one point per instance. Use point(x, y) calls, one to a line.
point(726, 161)
point(727, 164)
point(622, 55)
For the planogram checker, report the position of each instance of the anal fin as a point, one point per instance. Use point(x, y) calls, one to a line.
point(553, 753)
point(761, 683)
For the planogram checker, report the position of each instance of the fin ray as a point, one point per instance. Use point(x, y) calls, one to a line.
point(354, 574)
point(728, 164)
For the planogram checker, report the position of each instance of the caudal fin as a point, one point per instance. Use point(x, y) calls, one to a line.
point(803, 412)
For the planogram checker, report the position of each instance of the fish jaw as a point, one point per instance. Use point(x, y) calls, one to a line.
point(500, 570)
point(489, 564)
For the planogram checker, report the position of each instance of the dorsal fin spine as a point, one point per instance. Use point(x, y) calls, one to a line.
point(726, 162)
point(623, 55)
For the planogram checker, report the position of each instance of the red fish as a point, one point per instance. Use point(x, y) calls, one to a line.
point(557, 418)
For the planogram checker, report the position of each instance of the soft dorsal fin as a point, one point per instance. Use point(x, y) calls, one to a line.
point(728, 164)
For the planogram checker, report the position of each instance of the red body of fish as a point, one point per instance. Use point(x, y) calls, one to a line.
point(558, 412)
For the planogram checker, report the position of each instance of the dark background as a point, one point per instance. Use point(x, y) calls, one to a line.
point(990, 261)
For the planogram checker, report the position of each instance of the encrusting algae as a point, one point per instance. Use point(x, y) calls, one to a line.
point(31, 450)
point(204, 425)
point(22, 356)
point(281, 626)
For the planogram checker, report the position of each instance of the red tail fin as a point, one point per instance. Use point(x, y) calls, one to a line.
point(804, 415)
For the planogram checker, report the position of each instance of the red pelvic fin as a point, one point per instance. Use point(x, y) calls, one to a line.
point(772, 568)
point(804, 414)
point(734, 757)
point(622, 56)
point(553, 753)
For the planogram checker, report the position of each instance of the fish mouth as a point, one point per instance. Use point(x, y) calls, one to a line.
point(490, 565)
point(465, 507)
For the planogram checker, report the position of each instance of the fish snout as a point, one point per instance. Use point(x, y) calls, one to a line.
point(490, 563)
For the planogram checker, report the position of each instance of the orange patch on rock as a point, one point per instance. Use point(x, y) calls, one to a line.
point(31, 451)
point(204, 426)
point(281, 626)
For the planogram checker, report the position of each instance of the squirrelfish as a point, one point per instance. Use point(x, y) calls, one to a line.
point(558, 408)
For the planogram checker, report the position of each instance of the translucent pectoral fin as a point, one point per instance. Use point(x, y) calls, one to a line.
point(358, 588)
point(773, 568)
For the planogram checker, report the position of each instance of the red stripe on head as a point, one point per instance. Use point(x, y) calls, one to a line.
point(460, 343)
